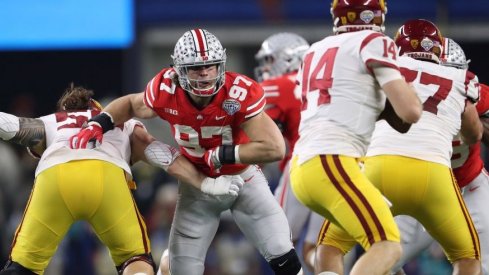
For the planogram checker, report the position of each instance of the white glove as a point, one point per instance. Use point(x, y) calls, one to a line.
point(9, 126)
point(223, 185)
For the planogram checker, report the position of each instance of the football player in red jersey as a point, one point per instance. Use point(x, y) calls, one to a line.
point(92, 185)
point(413, 170)
point(279, 58)
point(218, 121)
point(468, 168)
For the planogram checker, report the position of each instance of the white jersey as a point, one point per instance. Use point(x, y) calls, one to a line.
point(60, 127)
point(443, 91)
point(341, 97)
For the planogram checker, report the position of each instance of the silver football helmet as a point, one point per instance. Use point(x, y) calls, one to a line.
point(198, 47)
point(453, 55)
point(279, 54)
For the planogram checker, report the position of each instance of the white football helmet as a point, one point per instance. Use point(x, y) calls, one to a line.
point(453, 55)
point(279, 54)
point(198, 47)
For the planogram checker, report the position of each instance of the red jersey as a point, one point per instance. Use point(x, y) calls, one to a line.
point(466, 160)
point(219, 123)
point(284, 107)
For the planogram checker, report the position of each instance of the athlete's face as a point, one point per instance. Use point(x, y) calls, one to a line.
point(202, 77)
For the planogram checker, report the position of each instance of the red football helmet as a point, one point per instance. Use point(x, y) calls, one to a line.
point(355, 15)
point(420, 39)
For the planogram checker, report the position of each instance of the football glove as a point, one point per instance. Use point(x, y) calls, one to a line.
point(90, 136)
point(223, 185)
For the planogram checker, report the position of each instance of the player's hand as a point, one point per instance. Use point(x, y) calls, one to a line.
point(223, 185)
point(211, 158)
point(90, 136)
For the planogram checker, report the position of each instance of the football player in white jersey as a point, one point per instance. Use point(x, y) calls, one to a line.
point(412, 170)
point(469, 171)
point(279, 58)
point(91, 185)
point(344, 81)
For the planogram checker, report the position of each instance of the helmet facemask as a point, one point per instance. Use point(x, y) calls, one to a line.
point(199, 49)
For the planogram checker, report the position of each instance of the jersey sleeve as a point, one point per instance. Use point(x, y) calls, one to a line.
point(162, 82)
point(255, 101)
point(483, 104)
point(131, 124)
point(376, 48)
point(472, 87)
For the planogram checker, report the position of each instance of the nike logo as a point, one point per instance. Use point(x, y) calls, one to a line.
point(220, 117)
point(472, 189)
point(247, 180)
point(282, 264)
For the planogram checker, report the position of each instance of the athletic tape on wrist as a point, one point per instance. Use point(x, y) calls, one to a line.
point(105, 120)
point(227, 154)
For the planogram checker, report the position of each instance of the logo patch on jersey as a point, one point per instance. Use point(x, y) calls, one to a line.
point(414, 43)
point(427, 44)
point(367, 16)
point(231, 106)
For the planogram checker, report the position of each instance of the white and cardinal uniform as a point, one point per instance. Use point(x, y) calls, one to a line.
point(341, 102)
point(72, 185)
point(284, 107)
point(197, 215)
point(413, 169)
point(473, 179)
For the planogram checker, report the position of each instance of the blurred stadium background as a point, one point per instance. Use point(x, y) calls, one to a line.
point(115, 46)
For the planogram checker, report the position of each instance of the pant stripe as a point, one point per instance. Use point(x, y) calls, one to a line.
point(362, 198)
point(19, 227)
point(142, 227)
point(349, 200)
point(473, 234)
point(322, 232)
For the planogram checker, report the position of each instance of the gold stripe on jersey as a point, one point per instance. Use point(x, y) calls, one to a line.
point(473, 233)
point(363, 210)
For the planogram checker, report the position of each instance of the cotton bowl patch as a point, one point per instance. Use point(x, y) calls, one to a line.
point(231, 106)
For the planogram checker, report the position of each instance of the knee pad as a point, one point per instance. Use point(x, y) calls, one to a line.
point(287, 264)
point(144, 257)
point(13, 268)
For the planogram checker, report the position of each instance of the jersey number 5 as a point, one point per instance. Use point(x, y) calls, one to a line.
point(314, 82)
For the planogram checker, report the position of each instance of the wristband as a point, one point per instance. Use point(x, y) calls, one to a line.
point(105, 120)
point(227, 154)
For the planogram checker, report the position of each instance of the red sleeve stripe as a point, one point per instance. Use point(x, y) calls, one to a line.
point(369, 38)
point(149, 95)
point(200, 41)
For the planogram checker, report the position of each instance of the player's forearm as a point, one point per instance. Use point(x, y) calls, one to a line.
point(262, 151)
point(121, 109)
point(185, 171)
point(28, 132)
